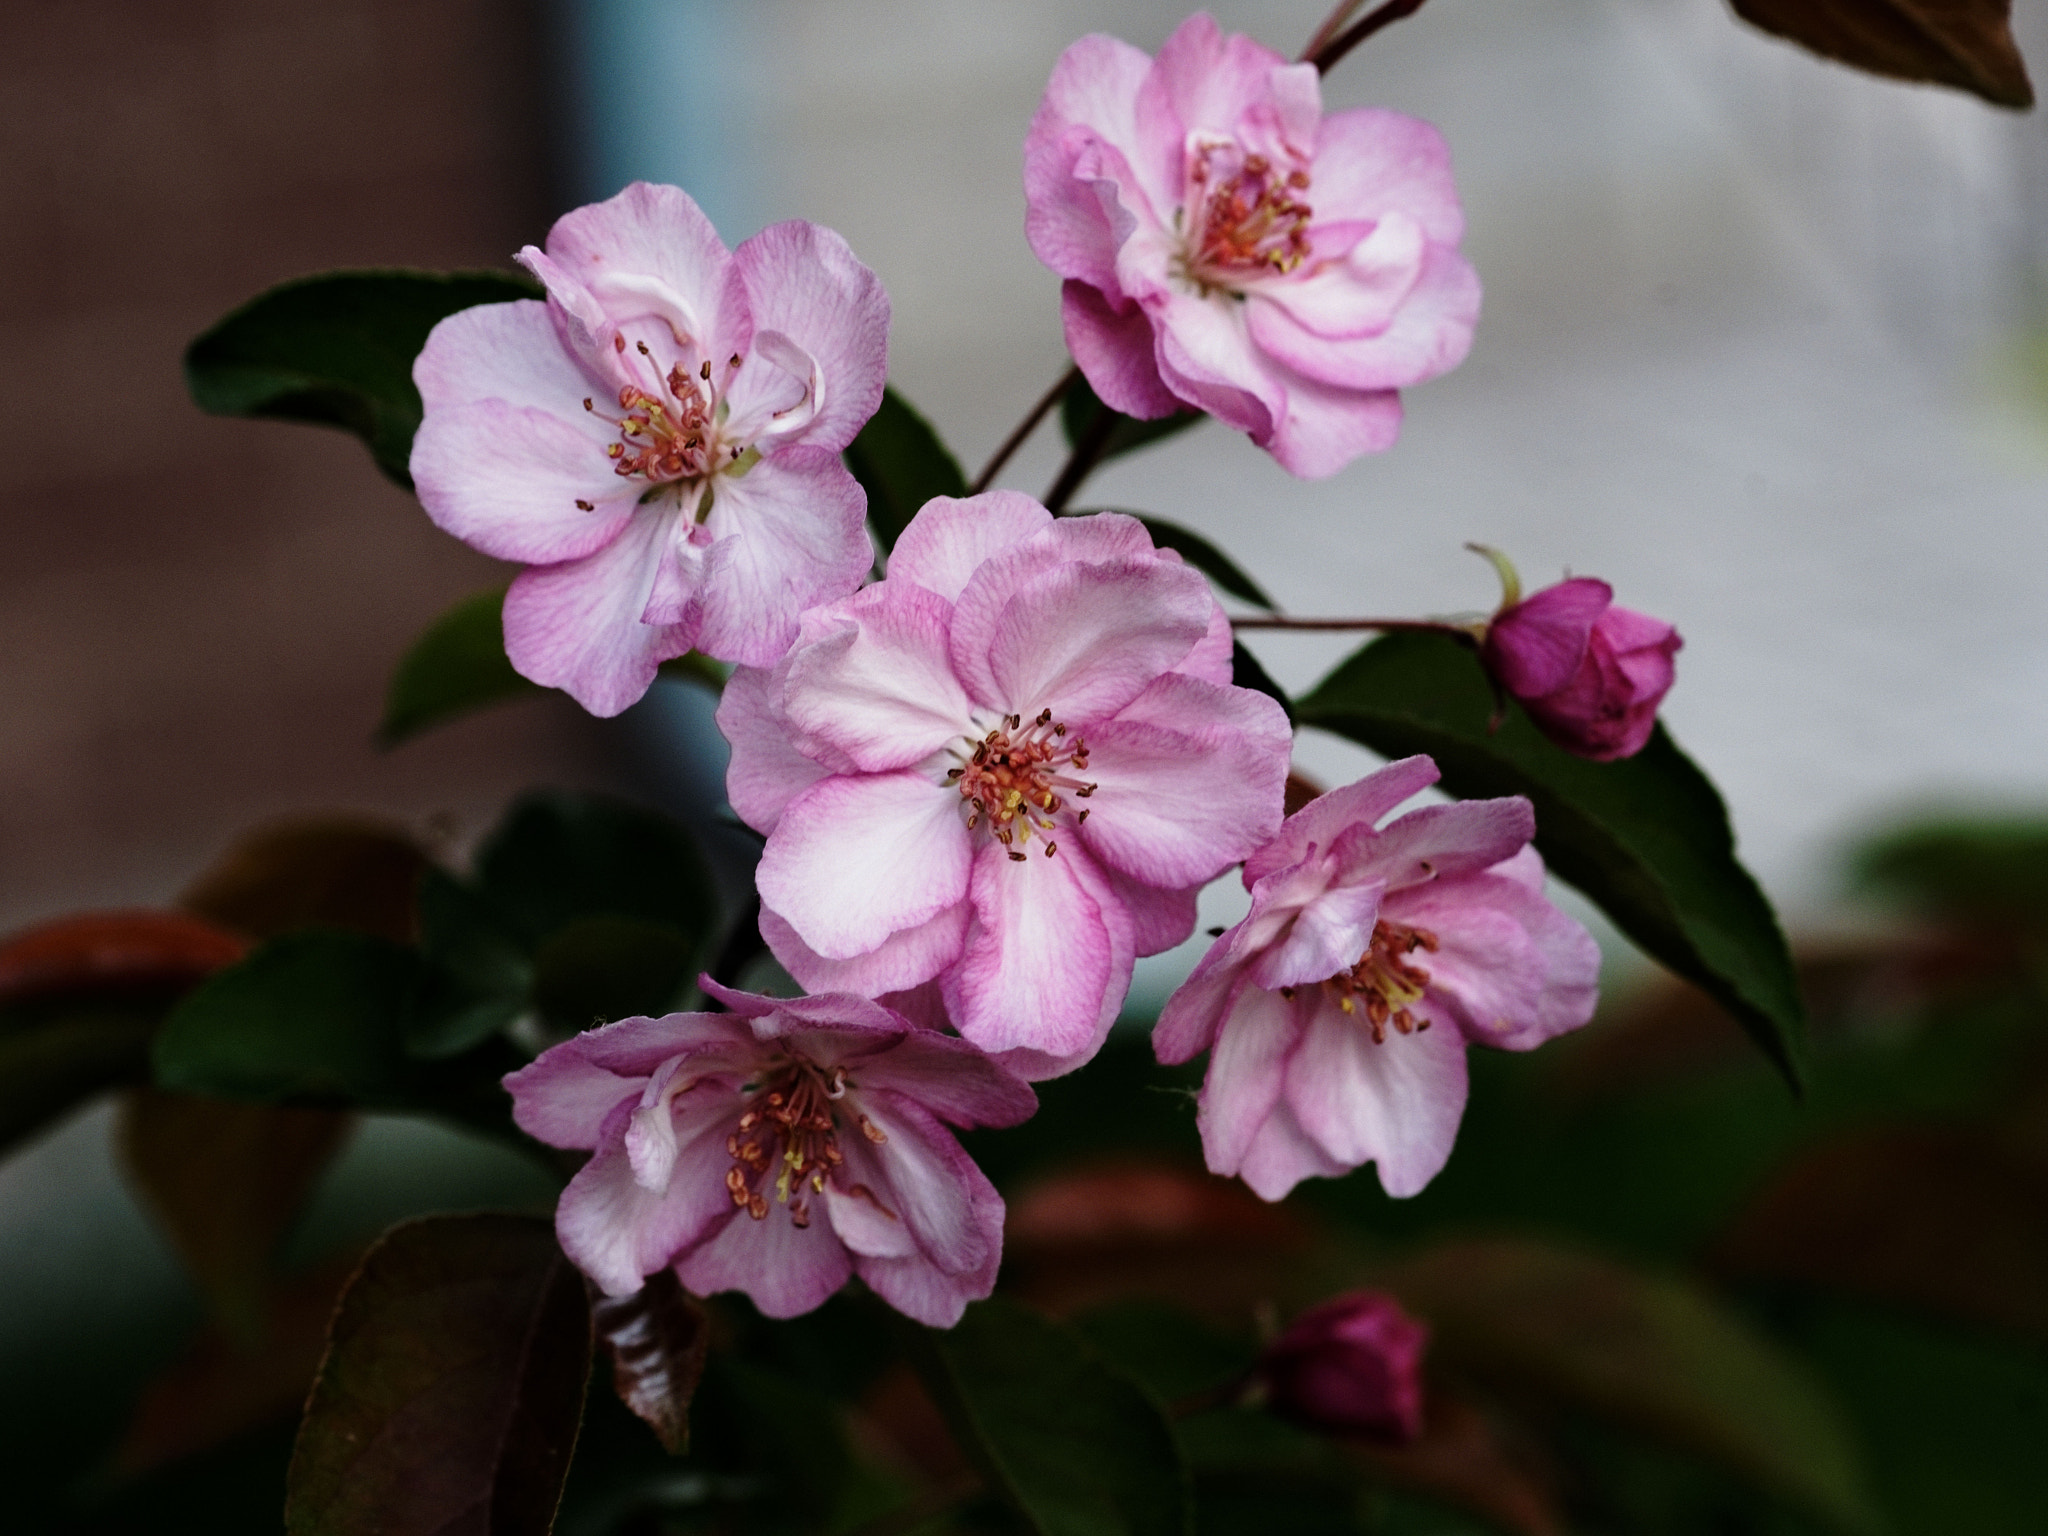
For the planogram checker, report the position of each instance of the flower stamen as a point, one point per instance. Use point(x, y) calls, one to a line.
point(1245, 217)
point(1018, 777)
point(789, 1126)
point(1386, 983)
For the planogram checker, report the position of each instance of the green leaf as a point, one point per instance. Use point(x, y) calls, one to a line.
point(1650, 1352)
point(1964, 43)
point(1198, 552)
point(337, 349)
point(478, 973)
point(452, 1390)
point(1980, 870)
point(313, 1016)
point(559, 856)
point(900, 462)
point(457, 666)
point(1647, 838)
point(1073, 1445)
point(602, 968)
point(1080, 410)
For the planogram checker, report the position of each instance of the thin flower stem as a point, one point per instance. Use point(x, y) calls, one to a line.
point(1328, 29)
point(1464, 632)
point(1023, 430)
point(1325, 58)
point(1086, 455)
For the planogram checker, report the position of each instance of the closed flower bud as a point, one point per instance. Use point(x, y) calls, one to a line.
point(1591, 675)
point(1352, 1365)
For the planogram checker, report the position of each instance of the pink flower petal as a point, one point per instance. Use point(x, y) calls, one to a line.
point(919, 1289)
point(1089, 103)
point(1370, 162)
point(1207, 358)
point(1282, 1154)
point(1321, 428)
point(1510, 969)
point(919, 1176)
point(1160, 919)
point(785, 1269)
point(1396, 1104)
point(1246, 1074)
point(804, 281)
point(1429, 316)
point(1212, 80)
point(766, 771)
point(1328, 935)
point(617, 1231)
point(1355, 295)
point(789, 534)
point(907, 958)
point(507, 352)
point(854, 860)
point(1435, 842)
point(951, 1078)
point(1325, 818)
point(655, 231)
point(1117, 351)
point(948, 539)
point(576, 626)
point(507, 480)
point(884, 693)
point(1195, 1012)
point(1538, 645)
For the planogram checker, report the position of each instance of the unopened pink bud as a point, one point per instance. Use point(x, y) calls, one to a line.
point(1591, 675)
point(1352, 1365)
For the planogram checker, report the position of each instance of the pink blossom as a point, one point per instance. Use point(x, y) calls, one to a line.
point(1338, 1011)
point(775, 1150)
point(1352, 1365)
point(1227, 245)
point(1590, 675)
point(996, 777)
point(658, 443)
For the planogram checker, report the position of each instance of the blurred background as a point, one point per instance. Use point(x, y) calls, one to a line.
point(1765, 344)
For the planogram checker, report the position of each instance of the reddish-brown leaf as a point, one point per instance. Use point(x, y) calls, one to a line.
point(1942, 1218)
point(226, 1180)
point(656, 1339)
point(98, 954)
point(314, 871)
point(452, 1389)
point(1964, 43)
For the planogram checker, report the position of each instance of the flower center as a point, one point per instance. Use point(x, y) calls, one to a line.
point(790, 1127)
point(1385, 982)
point(1014, 777)
point(669, 433)
point(1245, 216)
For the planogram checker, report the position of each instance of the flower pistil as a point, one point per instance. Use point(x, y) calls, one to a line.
point(1014, 776)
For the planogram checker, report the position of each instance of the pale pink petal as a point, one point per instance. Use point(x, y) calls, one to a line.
point(907, 958)
point(921, 1178)
point(766, 771)
point(804, 281)
point(1089, 104)
point(649, 230)
point(949, 538)
point(789, 534)
point(1160, 918)
point(1370, 162)
point(1082, 640)
point(920, 1290)
point(1039, 960)
point(1207, 358)
point(1117, 351)
point(564, 1099)
point(1319, 823)
point(1213, 80)
point(1436, 842)
point(1330, 934)
point(883, 693)
point(1213, 658)
point(787, 1270)
point(576, 626)
point(616, 1230)
point(1247, 1071)
point(507, 480)
point(1510, 969)
point(1282, 1154)
point(1320, 428)
point(1347, 297)
point(854, 860)
point(1396, 1103)
point(507, 352)
point(1098, 536)
point(1427, 334)
point(950, 1078)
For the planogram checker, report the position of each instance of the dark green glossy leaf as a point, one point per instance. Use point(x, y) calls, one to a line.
point(457, 666)
point(337, 349)
point(559, 856)
point(901, 463)
point(1979, 869)
point(1964, 43)
point(1246, 671)
point(452, 1390)
point(478, 974)
point(1653, 1353)
point(314, 1016)
point(1074, 1445)
point(1080, 411)
point(1647, 838)
point(601, 968)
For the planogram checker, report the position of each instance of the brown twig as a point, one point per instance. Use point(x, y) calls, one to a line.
point(1325, 58)
point(1328, 29)
point(1086, 455)
point(1023, 430)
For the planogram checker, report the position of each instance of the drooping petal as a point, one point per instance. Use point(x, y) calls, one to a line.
point(789, 534)
point(564, 1099)
point(1282, 1154)
point(766, 771)
point(618, 1231)
point(856, 859)
point(918, 1173)
point(1322, 427)
point(520, 482)
point(804, 281)
point(949, 538)
point(1328, 935)
point(908, 958)
point(1247, 1072)
point(1160, 918)
point(785, 1269)
point(1117, 351)
point(1396, 1103)
point(576, 626)
point(1435, 842)
point(1080, 639)
point(1325, 818)
point(1089, 106)
point(1039, 960)
point(883, 693)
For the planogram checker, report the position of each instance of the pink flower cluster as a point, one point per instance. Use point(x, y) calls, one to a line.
point(991, 780)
